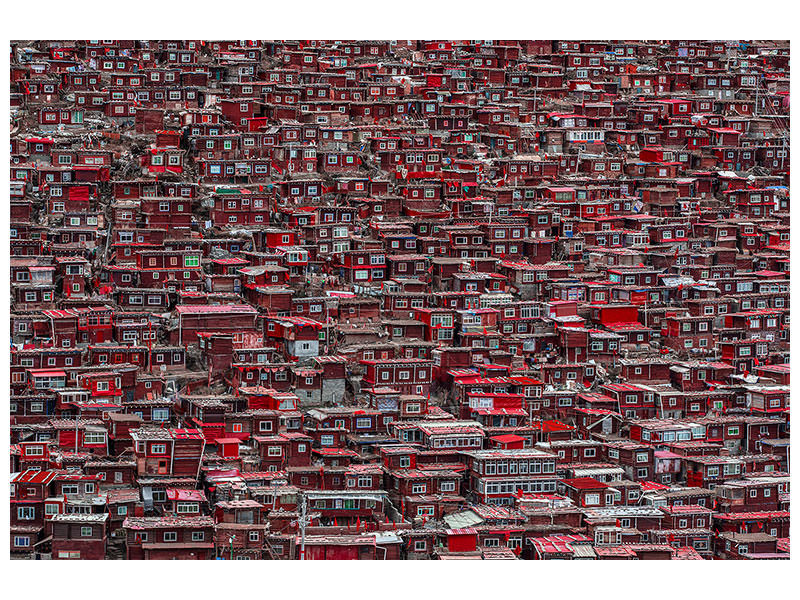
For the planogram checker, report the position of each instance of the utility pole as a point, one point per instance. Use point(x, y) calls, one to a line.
point(783, 149)
point(77, 420)
point(149, 344)
point(530, 412)
point(328, 341)
point(758, 85)
point(303, 524)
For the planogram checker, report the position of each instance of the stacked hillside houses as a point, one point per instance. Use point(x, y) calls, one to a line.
point(399, 299)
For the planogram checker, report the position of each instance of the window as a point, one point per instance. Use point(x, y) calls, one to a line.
point(198, 536)
point(170, 536)
point(26, 513)
point(187, 507)
point(86, 532)
point(274, 451)
point(592, 499)
point(94, 437)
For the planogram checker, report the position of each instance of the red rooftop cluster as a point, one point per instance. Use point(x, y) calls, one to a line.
point(399, 300)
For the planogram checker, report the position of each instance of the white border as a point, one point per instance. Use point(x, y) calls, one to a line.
point(312, 19)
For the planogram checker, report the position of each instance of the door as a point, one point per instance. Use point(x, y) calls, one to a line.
point(162, 467)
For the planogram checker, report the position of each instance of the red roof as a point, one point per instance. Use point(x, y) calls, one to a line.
point(614, 551)
point(723, 130)
point(584, 483)
point(186, 495)
point(334, 452)
point(47, 373)
point(32, 476)
point(187, 434)
point(214, 308)
point(648, 486)
point(748, 516)
point(520, 412)
point(507, 438)
point(548, 426)
point(465, 531)
point(230, 261)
